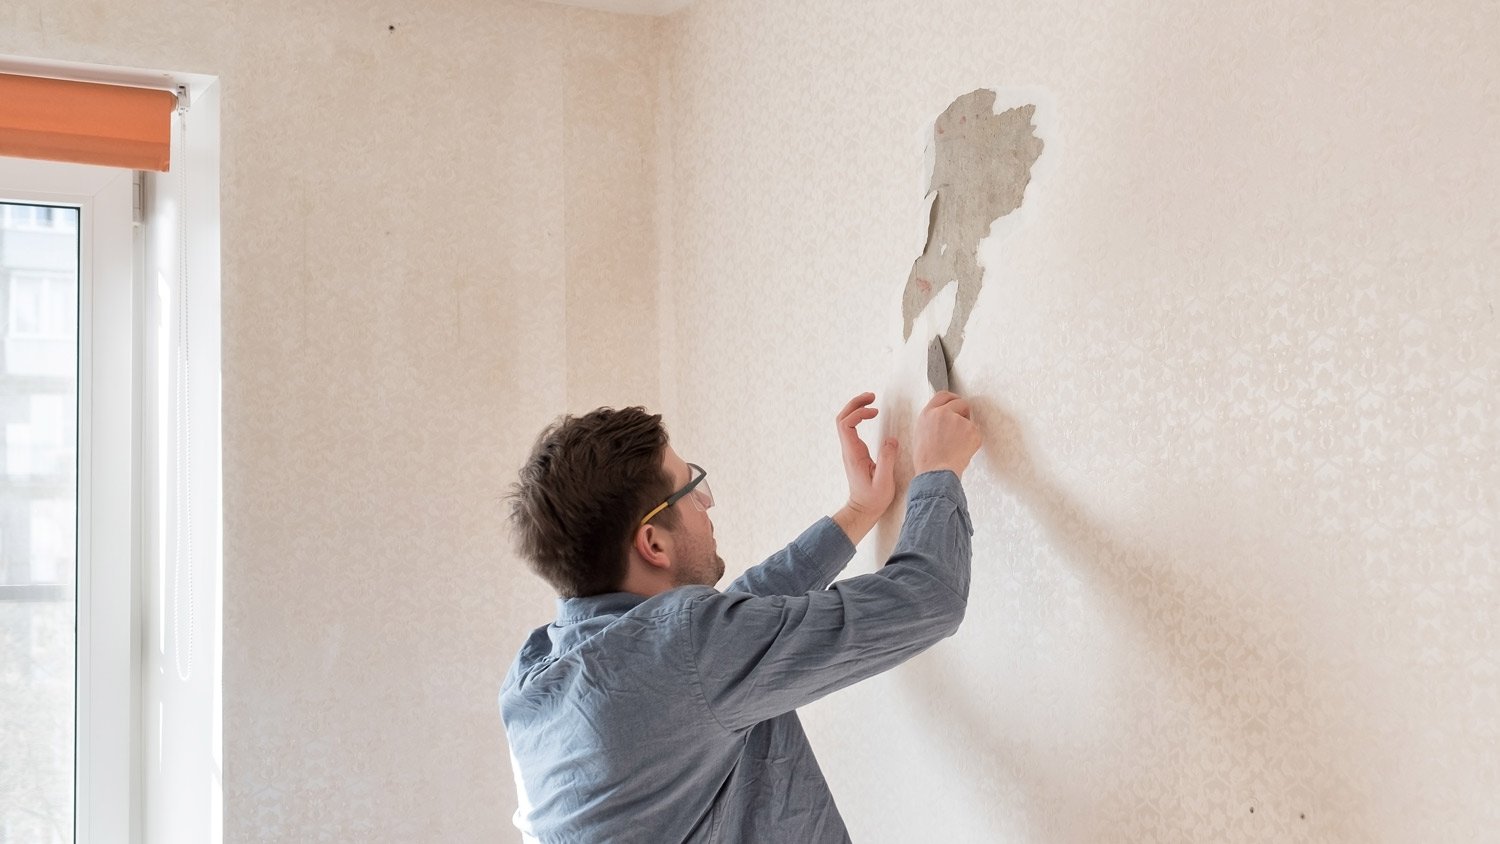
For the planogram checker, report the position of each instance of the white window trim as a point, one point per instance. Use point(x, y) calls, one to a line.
point(107, 718)
point(182, 776)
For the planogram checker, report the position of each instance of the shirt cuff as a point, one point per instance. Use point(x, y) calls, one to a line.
point(827, 543)
point(941, 483)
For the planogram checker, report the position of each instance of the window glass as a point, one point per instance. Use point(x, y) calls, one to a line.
point(38, 520)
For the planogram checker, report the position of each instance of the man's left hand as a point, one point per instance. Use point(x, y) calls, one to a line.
point(872, 484)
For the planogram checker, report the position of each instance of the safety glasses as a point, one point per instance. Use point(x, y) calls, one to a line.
point(697, 488)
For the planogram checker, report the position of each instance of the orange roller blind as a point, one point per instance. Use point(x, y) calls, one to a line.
point(85, 122)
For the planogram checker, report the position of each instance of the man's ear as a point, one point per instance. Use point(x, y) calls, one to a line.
point(650, 545)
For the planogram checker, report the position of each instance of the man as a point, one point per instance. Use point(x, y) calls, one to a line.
point(658, 709)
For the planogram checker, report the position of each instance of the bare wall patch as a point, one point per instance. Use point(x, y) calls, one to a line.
point(981, 165)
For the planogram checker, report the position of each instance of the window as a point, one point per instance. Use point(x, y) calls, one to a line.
point(39, 266)
point(112, 583)
point(66, 712)
point(43, 305)
point(23, 217)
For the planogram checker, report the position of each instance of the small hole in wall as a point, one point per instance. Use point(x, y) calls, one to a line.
point(1252, 810)
point(1303, 816)
point(391, 28)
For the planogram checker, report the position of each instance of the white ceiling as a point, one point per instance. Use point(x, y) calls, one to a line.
point(629, 7)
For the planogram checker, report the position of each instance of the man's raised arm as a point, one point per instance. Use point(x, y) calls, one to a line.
point(757, 657)
point(815, 558)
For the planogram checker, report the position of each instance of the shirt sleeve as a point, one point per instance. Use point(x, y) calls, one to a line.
point(810, 562)
point(759, 656)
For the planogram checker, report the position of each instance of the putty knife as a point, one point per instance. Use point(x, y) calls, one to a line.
point(937, 365)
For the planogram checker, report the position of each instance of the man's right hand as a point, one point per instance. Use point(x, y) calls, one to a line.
point(946, 437)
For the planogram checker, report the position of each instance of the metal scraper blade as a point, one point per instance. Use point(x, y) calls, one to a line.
point(937, 365)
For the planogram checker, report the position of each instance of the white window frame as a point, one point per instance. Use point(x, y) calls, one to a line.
point(107, 718)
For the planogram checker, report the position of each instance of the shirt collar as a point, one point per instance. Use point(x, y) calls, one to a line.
point(570, 610)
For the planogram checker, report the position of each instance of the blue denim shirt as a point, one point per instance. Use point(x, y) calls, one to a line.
point(672, 718)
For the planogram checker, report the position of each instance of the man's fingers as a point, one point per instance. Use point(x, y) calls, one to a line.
point(855, 412)
point(941, 397)
point(950, 401)
point(857, 402)
point(847, 425)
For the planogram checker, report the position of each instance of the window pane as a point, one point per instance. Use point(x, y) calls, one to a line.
point(38, 520)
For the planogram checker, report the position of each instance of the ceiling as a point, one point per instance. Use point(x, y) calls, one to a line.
point(629, 7)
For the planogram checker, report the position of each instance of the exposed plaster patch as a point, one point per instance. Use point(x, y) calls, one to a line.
point(981, 165)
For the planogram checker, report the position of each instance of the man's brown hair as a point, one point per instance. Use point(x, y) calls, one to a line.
point(582, 494)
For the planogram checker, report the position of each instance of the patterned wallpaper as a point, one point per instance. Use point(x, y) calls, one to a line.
point(1236, 567)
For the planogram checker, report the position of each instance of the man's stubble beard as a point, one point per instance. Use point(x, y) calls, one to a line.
point(705, 573)
point(704, 569)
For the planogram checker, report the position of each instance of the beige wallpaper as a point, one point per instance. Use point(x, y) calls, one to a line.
point(1236, 568)
point(1236, 522)
point(438, 233)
